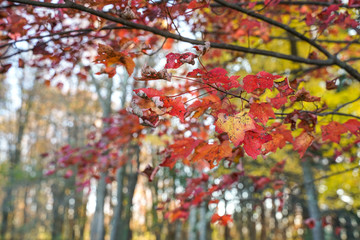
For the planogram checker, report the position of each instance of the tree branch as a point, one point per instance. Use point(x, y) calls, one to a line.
point(81, 31)
point(353, 72)
point(167, 34)
point(295, 3)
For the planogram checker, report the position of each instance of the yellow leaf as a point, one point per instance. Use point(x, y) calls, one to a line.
point(235, 126)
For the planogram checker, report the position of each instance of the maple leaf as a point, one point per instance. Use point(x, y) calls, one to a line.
point(108, 56)
point(278, 101)
point(261, 111)
point(304, 96)
point(148, 93)
point(279, 138)
point(284, 87)
point(353, 126)
point(149, 73)
point(181, 149)
point(235, 126)
point(333, 131)
point(212, 152)
point(175, 60)
point(176, 106)
point(253, 143)
point(261, 81)
point(218, 77)
point(302, 142)
point(308, 120)
point(195, 4)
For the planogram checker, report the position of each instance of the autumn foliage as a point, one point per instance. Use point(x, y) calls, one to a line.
point(215, 112)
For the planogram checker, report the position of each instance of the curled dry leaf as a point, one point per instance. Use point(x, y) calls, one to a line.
point(128, 14)
point(202, 49)
point(148, 73)
point(150, 172)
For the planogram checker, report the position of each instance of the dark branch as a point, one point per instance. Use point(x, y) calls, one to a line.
point(353, 72)
point(330, 61)
point(295, 3)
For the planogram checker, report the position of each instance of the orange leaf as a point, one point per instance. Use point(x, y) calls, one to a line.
point(212, 152)
point(302, 142)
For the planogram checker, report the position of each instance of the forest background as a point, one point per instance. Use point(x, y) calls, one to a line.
point(179, 119)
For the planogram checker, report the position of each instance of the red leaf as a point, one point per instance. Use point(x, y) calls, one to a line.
point(148, 93)
point(253, 142)
point(176, 106)
point(278, 101)
point(217, 76)
point(333, 131)
point(195, 4)
point(353, 126)
point(175, 60)
point(181, 149)
point(261, 111)
point(262, 80)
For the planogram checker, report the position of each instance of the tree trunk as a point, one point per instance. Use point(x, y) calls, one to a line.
point(312, 202)
point(15, 157)
point(116, 221)
point(133, 177)
point(97, 231)
point(58, 211)
point(192, 224)
point(203, 221)
point(263, 222)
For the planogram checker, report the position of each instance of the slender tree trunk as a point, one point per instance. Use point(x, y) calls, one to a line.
point(116, 221)
point(133, 177)
point(15, 158)
point(240, 223)
point(97, 225)
point(58, 211)
point(192, 224)
point(251, 225)
point(263, 222)
point(97, 231)
point(178, 230)
point(203, 221)
point(312, 201)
